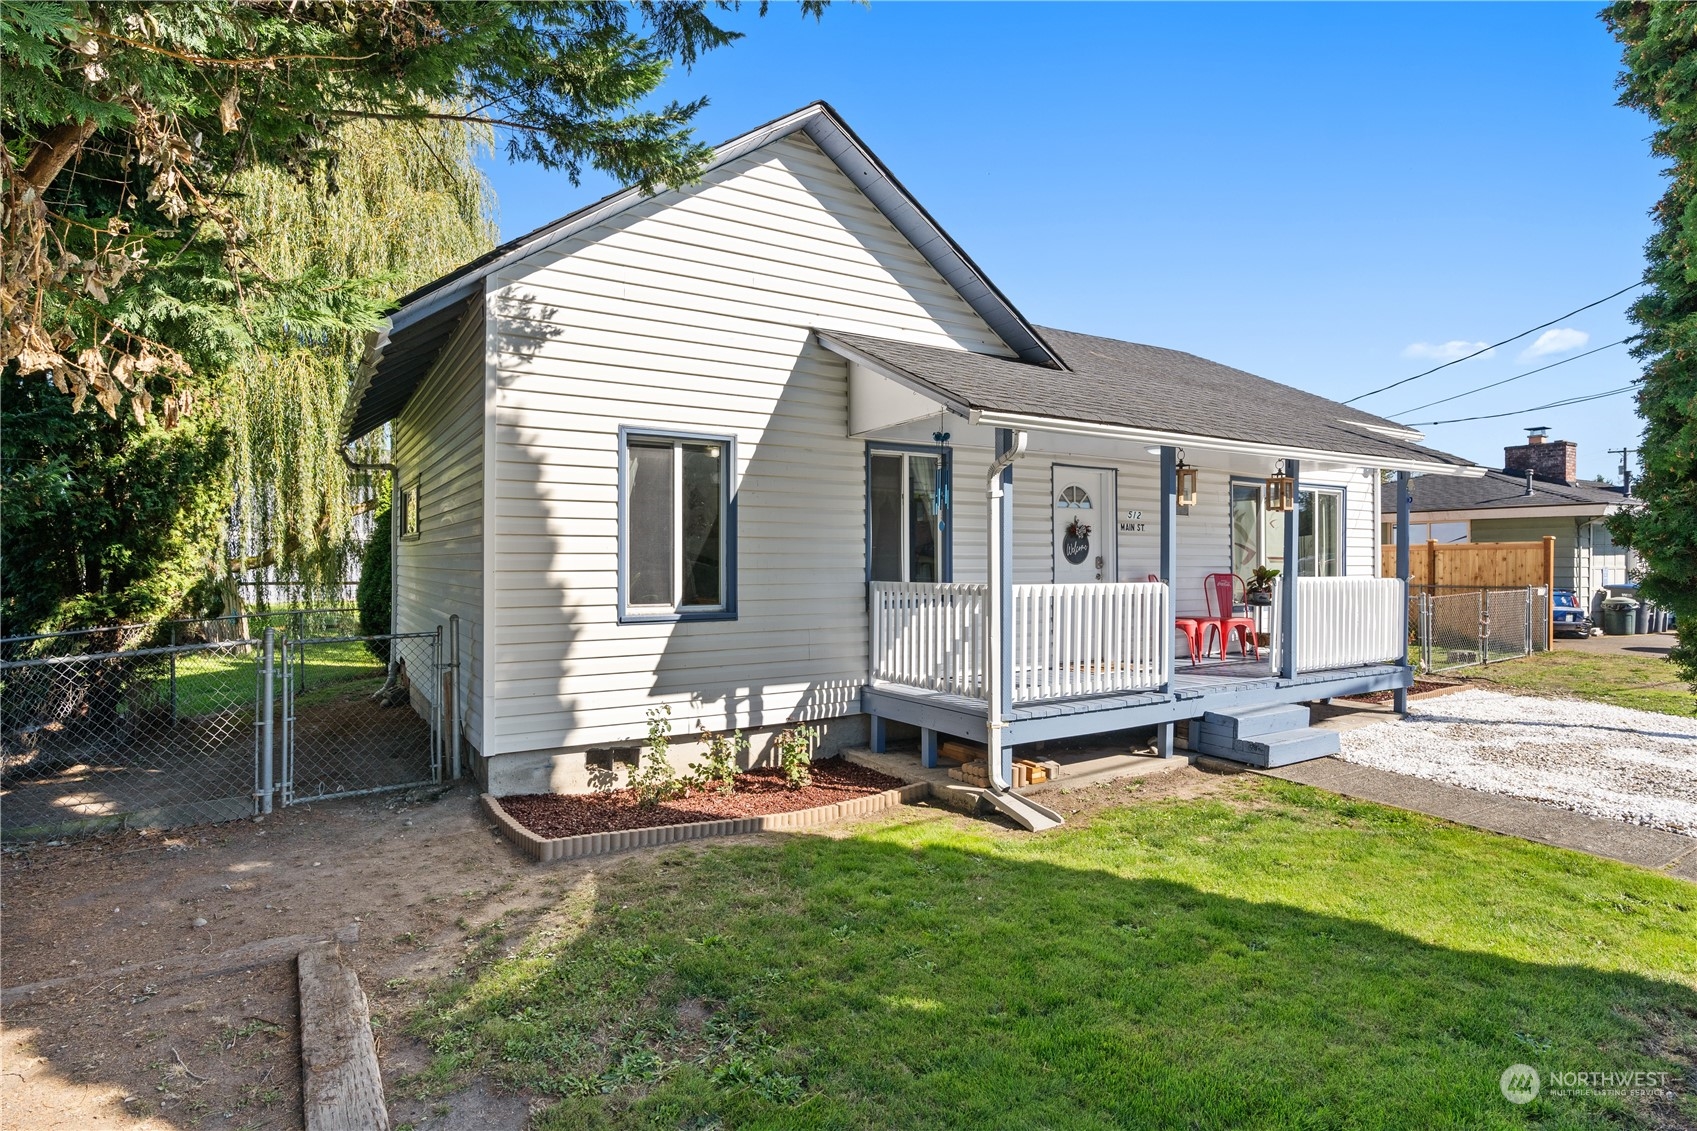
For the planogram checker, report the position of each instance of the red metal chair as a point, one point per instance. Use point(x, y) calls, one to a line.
point(1192, 629)
point(1220, 590)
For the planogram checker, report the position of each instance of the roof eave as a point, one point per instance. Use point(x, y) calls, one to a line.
point(1003, 419)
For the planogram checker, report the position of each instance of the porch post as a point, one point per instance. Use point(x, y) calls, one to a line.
point(1403, 503)
point(1287, 609)
point(1004, 590)
point(1169, 574)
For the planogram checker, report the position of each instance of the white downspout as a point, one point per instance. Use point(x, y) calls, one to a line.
point(993, 634)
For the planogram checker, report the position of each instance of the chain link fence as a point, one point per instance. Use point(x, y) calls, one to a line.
point(1460, 628)
point(238, 715)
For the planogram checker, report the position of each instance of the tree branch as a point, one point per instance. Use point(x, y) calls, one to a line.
point(51, 153)
point(214, 61)
point(474, 119)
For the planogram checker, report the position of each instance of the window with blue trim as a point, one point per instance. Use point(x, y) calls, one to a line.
point(675, 526)
point(907, 516)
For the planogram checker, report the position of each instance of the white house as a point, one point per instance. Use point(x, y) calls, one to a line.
point(1537, 494)
point(726, 448)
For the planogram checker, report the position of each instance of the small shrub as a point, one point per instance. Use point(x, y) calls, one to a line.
point(795, 755)
point(652, 777)
point(718, 767)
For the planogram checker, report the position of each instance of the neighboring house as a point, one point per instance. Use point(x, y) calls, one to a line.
point(1537, 494)
point(725, 448)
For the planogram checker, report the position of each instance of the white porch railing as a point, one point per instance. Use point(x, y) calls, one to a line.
point(929, 635)
point(1068, 640)
point(1073, 640)
point(1345, 621)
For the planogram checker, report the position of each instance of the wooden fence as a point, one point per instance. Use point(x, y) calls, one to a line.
point(1440, 568)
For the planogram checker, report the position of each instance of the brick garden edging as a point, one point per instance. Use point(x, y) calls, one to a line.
point(594, 844)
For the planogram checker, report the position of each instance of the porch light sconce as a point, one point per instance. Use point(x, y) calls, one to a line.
point(1281, 490)
point(1185, 482)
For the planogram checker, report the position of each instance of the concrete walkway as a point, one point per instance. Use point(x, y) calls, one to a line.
point(1614, 840)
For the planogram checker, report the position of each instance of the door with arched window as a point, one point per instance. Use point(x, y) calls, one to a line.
point(1083, 502)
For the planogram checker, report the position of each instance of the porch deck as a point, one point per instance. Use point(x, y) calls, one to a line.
point(1218, 686)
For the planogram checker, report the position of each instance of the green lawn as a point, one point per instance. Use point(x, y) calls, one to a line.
point(1263, 956)
point(1646, 682)
point(221, 679)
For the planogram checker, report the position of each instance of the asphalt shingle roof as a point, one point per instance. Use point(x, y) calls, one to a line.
point(1137, 386)
point(1498, 490)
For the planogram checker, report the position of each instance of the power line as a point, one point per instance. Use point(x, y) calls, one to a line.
point(1534, 408)
point(1506, 380)
point(1489, 348)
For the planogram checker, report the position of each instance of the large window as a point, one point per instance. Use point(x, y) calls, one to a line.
point(907, 516)
point(1258, 535)
point(1319, 533)
point(676, 528)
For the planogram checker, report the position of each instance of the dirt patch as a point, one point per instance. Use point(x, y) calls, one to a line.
point(758, 792)
point(165, 773)
point(1182, 783)
point(150, 1029)
point(1421, 687)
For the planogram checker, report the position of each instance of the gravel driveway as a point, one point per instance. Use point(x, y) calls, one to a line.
point(1591, 758)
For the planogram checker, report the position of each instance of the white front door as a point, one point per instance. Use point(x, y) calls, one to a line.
point(1084, 524)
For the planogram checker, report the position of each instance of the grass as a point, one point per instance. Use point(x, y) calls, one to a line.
point(221, 679)
point(1646, 682)
point(1267, 956)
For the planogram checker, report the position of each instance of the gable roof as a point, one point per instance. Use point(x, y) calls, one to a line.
point(1502, 490)
point(398, 358)
point(1161, 393)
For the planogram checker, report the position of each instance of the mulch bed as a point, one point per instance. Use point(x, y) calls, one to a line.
point(758, 792)
point(1420, 688)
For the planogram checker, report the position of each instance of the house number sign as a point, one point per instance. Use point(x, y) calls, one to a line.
point(1133, 523)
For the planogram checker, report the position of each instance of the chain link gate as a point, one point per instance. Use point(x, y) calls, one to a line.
point(221, 729)
point(1479, 626)
point(337, 741)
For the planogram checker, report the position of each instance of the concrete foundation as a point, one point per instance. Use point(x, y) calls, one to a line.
point(583, 771)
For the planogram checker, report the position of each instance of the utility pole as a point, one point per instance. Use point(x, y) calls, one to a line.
point(1625, 455)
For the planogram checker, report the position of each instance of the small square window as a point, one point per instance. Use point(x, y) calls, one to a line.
point(406, 518)
point(676, 527)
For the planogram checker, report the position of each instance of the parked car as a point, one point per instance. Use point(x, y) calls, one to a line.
point(1570, 616)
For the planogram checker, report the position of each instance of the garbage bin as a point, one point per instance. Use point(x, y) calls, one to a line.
point(1620, 616)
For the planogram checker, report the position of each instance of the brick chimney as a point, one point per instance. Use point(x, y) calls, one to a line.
point(1555, 461)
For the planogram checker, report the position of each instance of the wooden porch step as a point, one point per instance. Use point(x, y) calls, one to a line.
point(1268, 737)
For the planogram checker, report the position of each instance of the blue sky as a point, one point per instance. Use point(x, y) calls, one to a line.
point(1328, 195)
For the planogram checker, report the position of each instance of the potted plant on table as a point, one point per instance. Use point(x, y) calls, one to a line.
point(1258, 590)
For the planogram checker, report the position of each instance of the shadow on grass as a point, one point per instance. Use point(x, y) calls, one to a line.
point(922, 976)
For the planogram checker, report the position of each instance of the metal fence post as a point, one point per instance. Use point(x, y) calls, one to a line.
point(454, 677)
point(1426, 633)
point(438, 711)
point(173, 675)
point(268, 719)
point(1484, 627)
point(1529, 611)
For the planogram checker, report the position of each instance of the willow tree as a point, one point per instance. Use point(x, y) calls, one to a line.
point(403, 203)
point(171, 175)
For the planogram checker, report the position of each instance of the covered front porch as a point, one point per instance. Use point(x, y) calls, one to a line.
point(1037, 539)
point(1090, 659)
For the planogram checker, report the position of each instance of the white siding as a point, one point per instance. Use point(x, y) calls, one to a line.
point(693, 311)
point(439, 444)
point(1204, 535)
